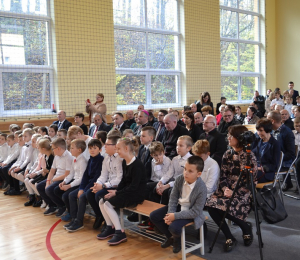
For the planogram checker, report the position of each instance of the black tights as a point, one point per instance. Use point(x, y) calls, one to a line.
point(217, 215)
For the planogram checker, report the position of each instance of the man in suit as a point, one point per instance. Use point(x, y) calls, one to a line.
point(217, 141)
point(295, 94)
point(99, 125)
point(160, 125)
point(143, 120)
point(285, 119)
point(199, 121)
point(119, 123)
point(62, 122)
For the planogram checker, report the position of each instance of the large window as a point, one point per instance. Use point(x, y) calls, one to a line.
point(25, 66)
point(240, 49)
point(146, 53)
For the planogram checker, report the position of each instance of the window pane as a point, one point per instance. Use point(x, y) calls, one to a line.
point(229, 56)
point(229, 3)
point(26, 90)
point(129, 12)
point(229, 86)
point(249, 5)
point(130, 49)
point(131, 89)
point(248, 26)
point(161, 14)
point(23, 42)
point(161, 51)
point(163, 89)
point(249, 57)
point(228, 24)
point(24, 6)
point(249, 85)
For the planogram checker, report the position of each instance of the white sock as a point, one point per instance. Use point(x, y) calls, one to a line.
point(106, 217)
point(35, 188)
point(29, 188)
point(112, 215)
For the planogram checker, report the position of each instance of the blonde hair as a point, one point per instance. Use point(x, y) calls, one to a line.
point(28, 125)
point(79, 144)
point(296, 120)
point(30, 131)
point(201, 146)
point(44, 143)
point(127, 142)
point(188, 140)
point(156, 147)
point(60, 142)
point(36, 136)
point(100, 95)
point(127, 131)
point(74, 130)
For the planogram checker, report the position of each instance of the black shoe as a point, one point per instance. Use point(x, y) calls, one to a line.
point(77, 225)
point(248, 238)
point(286, 187)
point(7, 192)
point(22, 187)
point(106, 233)
point(98, 222)
point(133, 217)
point(69, 224)
point(14, 192)
point(177, 245)
point(118, 238)
point(5, 184)
point(31, 200)
point(50, 211)
point(168, 242)
point(60, 212)
point(230, 244)
point(38, 202)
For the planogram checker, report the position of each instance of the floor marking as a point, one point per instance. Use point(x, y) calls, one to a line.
point(48, 241)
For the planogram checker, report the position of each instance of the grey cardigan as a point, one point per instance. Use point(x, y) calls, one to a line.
point(197, 200)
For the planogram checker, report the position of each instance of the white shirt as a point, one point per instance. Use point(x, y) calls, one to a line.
point(297, 137)
point(59, 124)
point(4, 148)
point(184, 201)
point(28, 151)
point(277, 102)
point(288, 107)
point(62, 164)
point(79, 165)
point(176, 169)
point(21, 157)
point(158, 171)
point(210, 175)
point(34, 160)
point(112, 171)
point(13, 153)
point(86, 152)
point(103, 151)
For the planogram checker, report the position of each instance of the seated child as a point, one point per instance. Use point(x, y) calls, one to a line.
point(73, 180)
point(3, 147)
point(60, 169)
point(13, 128)
point(36, 129)
point(52, 132)
point(211, 171)
point(62, 133)
point(78, 198)
point(101, 136)
point(186, 204)
point(288, 104)
point(130, 192)
point(128, 133)
point(136, 142)
point(109, 179)
point(43, 130)
point(28, 125)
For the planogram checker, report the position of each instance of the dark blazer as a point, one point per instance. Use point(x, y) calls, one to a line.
point(195, 132)
point(218, 145)
point(146, 162)
point(296, 94)
point(223, 126)
point(260, 102)
point(161, 132)
point(124, 127)
point(290, 124)
point(102, 127)
point(269, 158)
point(66, 124)
point(129, 122)
point(241, 119)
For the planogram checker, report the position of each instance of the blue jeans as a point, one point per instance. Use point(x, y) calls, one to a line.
point(64, 196)
point(46, 192)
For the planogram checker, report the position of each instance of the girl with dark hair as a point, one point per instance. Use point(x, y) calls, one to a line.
point(205, 100)
point(194, 130)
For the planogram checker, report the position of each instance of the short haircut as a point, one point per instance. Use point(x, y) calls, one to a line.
point(4, 135)
point(74, 130)
point(79, 144)
point(114, 132)
point(100, 95)
point(44, 129)
point(98, 114)
point(28, 125)
point(64, 131)
point(206, 109)
point(127, 131)
point(11, 136)
point(253, 109)
point(156, 147)
point(30, 131)
point(151, 130)
point(119, 113)
point(196, 160)
point(220, 108)
point(15, 128)
point(81, 115)
point(175, 111)
point(60, 142)
point(20, 135)
point(165, 112)
point(54, 127)
point(18, 132)
point(291, 82)
point(94, 142)
point(275, 115)
point(36, 136)
point(102, 135)
point(276, 92)
point(213, 119)
point(296, 121)
point(236, 131)
point(231, 108)
point(44, 143)
point(223, 98)
point(298, 97)
point(264, 123)
point(297, 108)
point(12, 125)
point(188, 140)
point(201, 146)
point(113, 138)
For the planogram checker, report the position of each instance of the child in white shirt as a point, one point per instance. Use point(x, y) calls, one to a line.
point(3, 147)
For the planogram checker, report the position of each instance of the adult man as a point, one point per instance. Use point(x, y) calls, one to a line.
point(217, 141)
point(228, 120)
point(176, 113)
point(193, 107)
point(160, 125)
point(140, 107)
point(285, 136)
point(285, 119)
point(119, 122)
point(62, 122)
point(173, 131)
point(199, 121)
point(130, 118)
point(259, 100)
point(295, 94)
point(143, 120)
point(99, 125)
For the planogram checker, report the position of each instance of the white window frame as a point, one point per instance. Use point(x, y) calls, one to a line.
point(29, 68)
point(237, 40)
point(147, 71)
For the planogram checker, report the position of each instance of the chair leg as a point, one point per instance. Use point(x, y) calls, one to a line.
point(183, 243)
point(202, 240)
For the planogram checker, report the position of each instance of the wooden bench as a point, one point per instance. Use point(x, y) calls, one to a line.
point(147, 207)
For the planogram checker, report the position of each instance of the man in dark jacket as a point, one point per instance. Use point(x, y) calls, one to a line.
point(228, 120)
point(160, 125)
point(285, 119)
point(62, 122)
point(260, 102)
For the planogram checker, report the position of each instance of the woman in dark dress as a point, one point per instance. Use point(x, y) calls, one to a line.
point(234, 160)
point(194, 130)
point(205, 100)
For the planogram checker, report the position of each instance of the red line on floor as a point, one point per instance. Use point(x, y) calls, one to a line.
point(48, 241)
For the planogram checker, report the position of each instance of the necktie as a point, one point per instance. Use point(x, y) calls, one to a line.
point(157, 133)
point(59, 125)
point(144, 155)
point(96, 129)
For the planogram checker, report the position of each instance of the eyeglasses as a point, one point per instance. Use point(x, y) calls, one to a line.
point(227, 116)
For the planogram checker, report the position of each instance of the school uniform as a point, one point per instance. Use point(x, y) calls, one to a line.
point(13, 154)
point(111, 176)
point(4, 148)
point(145, 157)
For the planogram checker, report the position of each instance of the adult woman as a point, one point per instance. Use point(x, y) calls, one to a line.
point(267, 151)
point(194, 130)
point(234, 160)
point(205, 100)
point(97, 107)
point(251, 117)
point(239, 115)
point(136, 117)
point(220, 115)
point(268, 102)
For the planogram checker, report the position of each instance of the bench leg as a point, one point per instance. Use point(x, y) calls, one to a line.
point(183, 244)
point(122, 218)
point(140, 218)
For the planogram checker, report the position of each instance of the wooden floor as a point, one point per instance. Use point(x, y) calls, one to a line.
point(23, 233)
